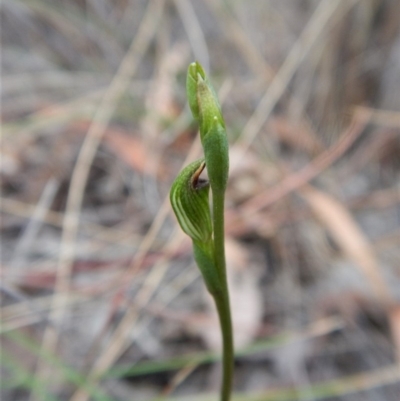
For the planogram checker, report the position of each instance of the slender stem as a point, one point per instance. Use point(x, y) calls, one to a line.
point(222, 298)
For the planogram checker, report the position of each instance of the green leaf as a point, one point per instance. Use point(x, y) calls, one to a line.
point(190, 202)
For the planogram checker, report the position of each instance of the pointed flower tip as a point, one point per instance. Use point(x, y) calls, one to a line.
point(198, 69)
point(200, 79)
point(195, 76)
point(195, 71)
point(191, 88)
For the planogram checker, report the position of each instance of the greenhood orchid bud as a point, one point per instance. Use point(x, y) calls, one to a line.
point(190, 202)
point(203, 100)
point(206, 109)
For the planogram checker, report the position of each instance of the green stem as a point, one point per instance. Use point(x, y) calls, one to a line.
point(222, 297)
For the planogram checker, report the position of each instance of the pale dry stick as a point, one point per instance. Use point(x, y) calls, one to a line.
point(350, 238)
point(309, 37)
point(394, 322)
point(371, 150)
point(234, 31)
point(44, 119)
point(41, 122)
point(385, 118)
point(87, 153)
point(194, 31)
point(178, 379)
point(31, 314)
point(369, 380)
point(108, 234)
point(39, 118)
point(34, 225)
point(16, 83)
point(22, 209)
point(321, 328)
point(310, 171)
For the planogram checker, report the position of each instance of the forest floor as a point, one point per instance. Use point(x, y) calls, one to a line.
point(101, 298)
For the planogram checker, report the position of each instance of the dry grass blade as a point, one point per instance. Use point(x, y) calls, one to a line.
point(128, 148)
point(29, 312)
point(394, 321)
point(308, 38)
point(35, 223)
point(194, 31)
point(178, 379)
point(352, 384)
point(310, 171)
point(384, 118)
point(350, 238)
point(25, 210)
point(54, 116)
point(234, 32)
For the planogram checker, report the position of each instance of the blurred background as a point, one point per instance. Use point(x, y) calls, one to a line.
point(101, 299)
